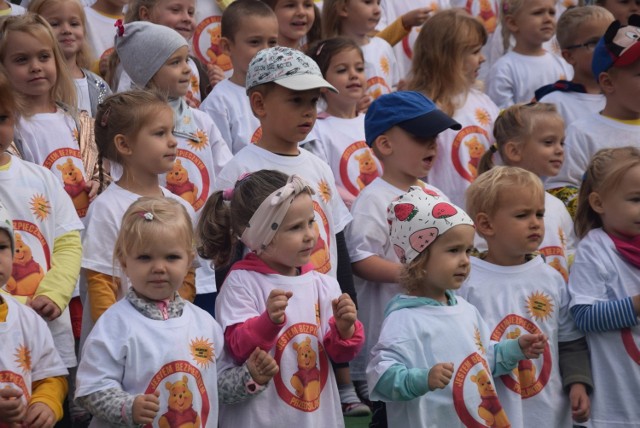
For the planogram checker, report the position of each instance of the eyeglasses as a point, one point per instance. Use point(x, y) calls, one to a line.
point(590, 45)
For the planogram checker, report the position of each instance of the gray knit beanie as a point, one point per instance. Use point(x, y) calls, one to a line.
point(144, 47)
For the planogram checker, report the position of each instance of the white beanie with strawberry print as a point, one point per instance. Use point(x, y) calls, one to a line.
point(417, 218)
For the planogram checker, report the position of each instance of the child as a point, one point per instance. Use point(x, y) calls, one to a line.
point(338, 135)
point(248, 26)
point(401, 128)
point(179, 16)
point(579, 30)
point(297, 23)
point(515, 76)
point(47, 133)
point(605, 302)
point(274, 300)
point(133, 129)
point(101, 17)
point(69, 22)
point(356, 19)
point(201, 152)
point(32, 374)
point(621, 9)
point(531, 136)
point(445, 68)
point(153, 358)
point(517, 293)
point(615, 65)
point(429, 336)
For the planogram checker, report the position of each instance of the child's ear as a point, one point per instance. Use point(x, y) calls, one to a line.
point(483, 224)
point(143, 13)
point(511, 23)
point(383, 145)
point(342, 9)
point(225, 45)
point(123, 147)
point(595, 201)
point(256, 99)
point(567, 54)
point(606, 83)
point(512, 152)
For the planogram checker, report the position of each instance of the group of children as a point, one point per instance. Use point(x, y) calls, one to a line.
point(297, 169)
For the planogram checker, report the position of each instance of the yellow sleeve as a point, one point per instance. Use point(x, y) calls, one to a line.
point(102, 290)
point(188, 288)
point(394, 32)
point(60, 281)
point(52, 392)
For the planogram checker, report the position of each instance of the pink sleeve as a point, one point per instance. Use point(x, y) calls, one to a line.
point(242, 338)
point(343, 350)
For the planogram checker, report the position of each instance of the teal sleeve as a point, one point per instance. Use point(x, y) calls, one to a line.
point(399, 383)
point(507, 354)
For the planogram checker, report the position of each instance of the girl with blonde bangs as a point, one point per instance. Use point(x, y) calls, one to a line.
point(445, 68)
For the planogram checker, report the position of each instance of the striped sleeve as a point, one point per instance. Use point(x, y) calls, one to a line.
point(605, 316)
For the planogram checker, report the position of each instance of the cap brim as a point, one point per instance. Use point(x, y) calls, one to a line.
point(429, 124)
point(304, 82)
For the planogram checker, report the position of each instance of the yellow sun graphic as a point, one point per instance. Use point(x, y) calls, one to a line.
point(194, 83)
point(563, 238)
point(384, 64)
point(40, 207)
point(202, 351)
point(23, 358)
point(478, 340)
point(324, 191)
point(482, 116)
point(539, 306)
point(434, 6)
point(199, 145)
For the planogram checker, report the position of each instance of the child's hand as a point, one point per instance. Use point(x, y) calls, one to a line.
point(364, 103)
point(45, 307)
point(145, 408)
point(580, 402)
point(262, 366)
point(532, 345)
point(277, 303)
point(345, 314)
point(415, 17)
point(39, 415)
point(215, 74)
point(440, 375)
point(92, 189)
point(12, 408)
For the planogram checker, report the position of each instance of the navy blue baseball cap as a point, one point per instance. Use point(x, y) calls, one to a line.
point(409, 110)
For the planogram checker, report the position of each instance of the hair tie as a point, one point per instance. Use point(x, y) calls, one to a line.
point(505, 6)
point(120, 27)
point(493, 148)
point(227, 194)
point(145, 215)
point(104, 120)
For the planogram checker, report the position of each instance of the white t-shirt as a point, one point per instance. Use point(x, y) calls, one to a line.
point(100, 32)
point(51, 140)
point(331, 214)
point(584, 138)
point(28, 354)
point(207, 34)
point(459, 152)
point(229, 107)
point(177, 357)
point(15, 9)
point(41, 212)
point(514, 77)
point(516, 300)
point(600, 274)
point(394, 9)
point(421, 337)
point(82, 88)
point(341, 144)
point(380, 67)
point(368, 235)
point(299, 350)
point(573, 106)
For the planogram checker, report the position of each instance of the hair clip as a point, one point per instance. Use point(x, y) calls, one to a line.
point(227, 194)
point(120, 27)
point(320, 49)
point(243, 177)
point(104, 120)
point(146, 215)
point(493, 148)
point(505, 6)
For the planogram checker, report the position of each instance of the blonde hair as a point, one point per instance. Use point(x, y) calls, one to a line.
point(516, 124)
point(483, 195)
point(605, 171)
point(8, 100)
point(438, 56)
point(84, 58)
point(572, 19)
point(146, 220)
point(63, 90)
point(123, 113)
point(414, 274)
point(331, 21)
